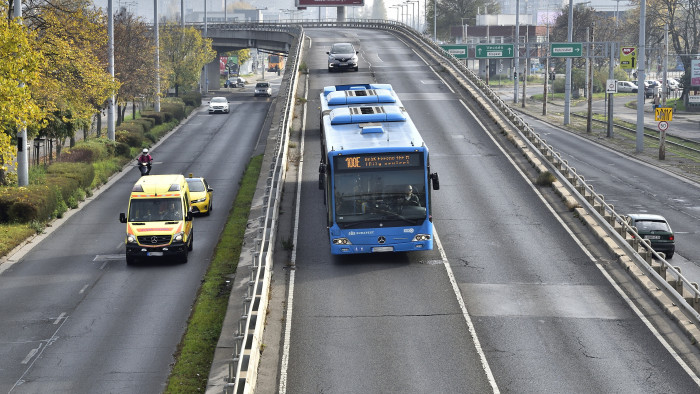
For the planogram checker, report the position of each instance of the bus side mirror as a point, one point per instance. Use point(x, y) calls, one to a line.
point(122, 217)
point(436, 180)
point(321, 175)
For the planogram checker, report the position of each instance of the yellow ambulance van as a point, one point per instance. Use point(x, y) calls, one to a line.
point(158, 221)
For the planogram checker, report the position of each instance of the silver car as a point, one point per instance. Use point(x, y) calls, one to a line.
point(263, 89)
point(342, 56)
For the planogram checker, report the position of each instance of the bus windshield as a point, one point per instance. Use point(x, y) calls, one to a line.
point(369, 198)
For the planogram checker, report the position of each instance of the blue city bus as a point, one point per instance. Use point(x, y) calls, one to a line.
point(375, 171)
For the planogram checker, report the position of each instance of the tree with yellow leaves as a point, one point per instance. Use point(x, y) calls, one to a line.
point(183, 53)
point(18, 67)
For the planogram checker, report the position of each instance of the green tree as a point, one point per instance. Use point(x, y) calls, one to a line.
point(451, 12)
point(19, 66)
point(134, 59)
point(183, 53)
point(71, 36)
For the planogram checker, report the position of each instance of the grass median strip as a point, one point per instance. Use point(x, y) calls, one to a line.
point(196, 350)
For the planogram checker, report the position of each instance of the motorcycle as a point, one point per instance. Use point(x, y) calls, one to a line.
point(144, 168)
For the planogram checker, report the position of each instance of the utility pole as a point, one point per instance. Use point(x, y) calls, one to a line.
point(110, 49)
point(567, 82)
point(641, 76)
point(611, 75)
point(589, 88)
point(22, 154)
point(156, 103)
point(546, 73)
point(516, 61)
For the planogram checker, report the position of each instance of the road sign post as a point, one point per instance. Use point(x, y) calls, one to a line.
point(628, 58)
point(663, 114)
point(458, 51)
point(566, 49)
point(494, 51)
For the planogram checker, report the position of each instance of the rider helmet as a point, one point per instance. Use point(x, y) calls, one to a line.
point(145, 151)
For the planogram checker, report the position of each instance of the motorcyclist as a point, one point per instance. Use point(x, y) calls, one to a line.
point(146, 159)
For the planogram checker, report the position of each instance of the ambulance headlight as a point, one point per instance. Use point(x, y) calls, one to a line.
point(179, 236)
point(131, 239)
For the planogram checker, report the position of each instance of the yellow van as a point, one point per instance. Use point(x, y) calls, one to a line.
point(158, 221)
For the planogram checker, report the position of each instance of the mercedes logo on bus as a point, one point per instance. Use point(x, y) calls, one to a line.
point(381, 239)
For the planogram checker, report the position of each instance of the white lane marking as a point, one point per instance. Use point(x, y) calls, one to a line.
point(617, 288)
point(103, 265)
point(83, 289)
point(31, 354)
point(290, 296)
point(467, 317)
point(59, 318)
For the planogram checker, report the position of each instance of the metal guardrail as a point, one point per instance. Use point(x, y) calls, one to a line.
point(652, 133)
point(242, 371)
point(244, 363)
point(684, 293)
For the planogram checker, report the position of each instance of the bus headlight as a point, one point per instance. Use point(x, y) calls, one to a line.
point(421, 237)
point(179, 236)
point(341, 241)
point(131, 239)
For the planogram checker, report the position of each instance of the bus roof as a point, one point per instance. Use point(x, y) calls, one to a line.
point(370, 128)
point(342, 95)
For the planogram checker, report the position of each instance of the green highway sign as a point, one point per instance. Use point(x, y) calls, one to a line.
point(458, 51)
point(490, 51)
point(565, 49)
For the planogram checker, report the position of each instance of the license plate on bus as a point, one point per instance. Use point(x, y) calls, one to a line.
point(154, 254)
point(383, 249)
point(652, 237)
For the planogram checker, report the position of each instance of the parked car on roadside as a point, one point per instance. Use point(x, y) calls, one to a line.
point(653, 88)
point(235, 82)
point(626, 87)
point(656, 229)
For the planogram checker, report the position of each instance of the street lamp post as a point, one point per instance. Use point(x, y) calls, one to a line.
point(413, 3)
point(464, 31)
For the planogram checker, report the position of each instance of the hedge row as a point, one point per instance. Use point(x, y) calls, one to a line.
point(68, 179)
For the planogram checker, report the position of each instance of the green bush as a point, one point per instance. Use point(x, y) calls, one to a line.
point(192, 99)
point(86, 151)
point(24, 204)
point(130, 126)
point(158, 117)
point(121, 149)
point(130, 138)
point(65, 186)
point(148, 122)
point(82, 172)
point(175, 109)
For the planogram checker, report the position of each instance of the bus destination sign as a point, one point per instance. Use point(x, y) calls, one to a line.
point(372, 161)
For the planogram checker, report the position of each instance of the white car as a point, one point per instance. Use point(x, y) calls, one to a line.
point(263, 89)
point(218, 104)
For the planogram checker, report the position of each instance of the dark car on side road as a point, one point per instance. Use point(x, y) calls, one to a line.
point(656, 229)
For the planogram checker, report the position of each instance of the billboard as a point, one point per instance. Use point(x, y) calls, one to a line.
point(329, 3)
point(695, 73)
